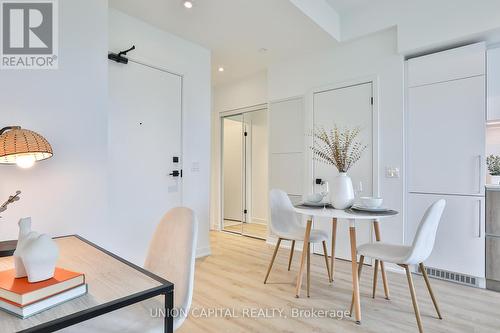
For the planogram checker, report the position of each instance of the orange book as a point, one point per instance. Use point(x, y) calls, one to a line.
point(21, 292)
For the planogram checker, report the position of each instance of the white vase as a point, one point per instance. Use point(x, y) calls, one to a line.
point(342, 192)
point(495, 180)
point(36, 254)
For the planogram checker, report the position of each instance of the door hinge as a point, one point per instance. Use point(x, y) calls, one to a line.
point(371, 100)
point(245, 134)
point(245, 211)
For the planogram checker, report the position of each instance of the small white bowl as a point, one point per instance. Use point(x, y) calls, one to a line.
point(371, 202)
point(314, 197)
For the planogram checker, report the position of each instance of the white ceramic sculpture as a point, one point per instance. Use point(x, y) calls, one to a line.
point(36, 254)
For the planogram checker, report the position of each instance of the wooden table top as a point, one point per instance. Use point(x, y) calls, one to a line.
point(108, 278)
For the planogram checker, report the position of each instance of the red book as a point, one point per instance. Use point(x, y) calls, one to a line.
point(20, 292)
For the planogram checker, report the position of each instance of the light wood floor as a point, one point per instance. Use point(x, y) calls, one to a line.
point(232, 278)
point(252, 229)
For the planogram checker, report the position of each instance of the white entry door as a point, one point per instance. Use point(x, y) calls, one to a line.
point(144, 137)
point(346, 107)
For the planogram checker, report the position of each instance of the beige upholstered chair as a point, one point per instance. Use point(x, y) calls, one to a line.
point(171, 255)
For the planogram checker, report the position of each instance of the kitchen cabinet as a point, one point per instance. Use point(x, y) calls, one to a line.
point(493, 238)
point(446, 137)
point(460, 242)
point(458, 63)
point(445, 155)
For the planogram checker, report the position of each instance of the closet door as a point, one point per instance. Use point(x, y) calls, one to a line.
point(346, 107)
point(446, 137)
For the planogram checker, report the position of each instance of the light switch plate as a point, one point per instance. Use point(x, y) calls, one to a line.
point(392, 172)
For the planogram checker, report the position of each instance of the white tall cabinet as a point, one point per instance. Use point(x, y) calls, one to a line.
point(445, 134)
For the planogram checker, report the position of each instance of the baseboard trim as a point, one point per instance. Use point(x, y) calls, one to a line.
point(259, 220)
point(203, 252)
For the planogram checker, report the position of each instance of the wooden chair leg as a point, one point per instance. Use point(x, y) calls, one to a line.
point(360, 268)
point(384, 280)
point(303, 257)
point(428, 283)
point(308, 268)
point(376, 227)
point(334, 239)
point(326, 261)
point(375, 276)
point(272, 259)
point(291, 255)
point(413, 298)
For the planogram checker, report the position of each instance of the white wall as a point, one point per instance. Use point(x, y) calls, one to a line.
point(493, 83)
point(159, 48)
point(259, 165)
point(375, 55)
point(232, 164)
point(493, 140)
point(492, 145)
point(67, 193)
point(247, 92)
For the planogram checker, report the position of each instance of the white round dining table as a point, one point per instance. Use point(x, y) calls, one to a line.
point(352, 217)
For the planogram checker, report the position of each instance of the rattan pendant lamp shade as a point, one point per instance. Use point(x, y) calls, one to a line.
point(18, 144)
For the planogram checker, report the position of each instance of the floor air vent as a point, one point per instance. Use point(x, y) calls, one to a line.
point(451, 276)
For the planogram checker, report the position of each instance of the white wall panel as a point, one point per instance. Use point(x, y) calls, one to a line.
point(287, 172)
point(286, 142)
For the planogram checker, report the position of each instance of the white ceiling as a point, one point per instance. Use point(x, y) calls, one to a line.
point(235, 30)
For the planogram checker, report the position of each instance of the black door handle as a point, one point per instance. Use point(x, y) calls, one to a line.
point(176, 173)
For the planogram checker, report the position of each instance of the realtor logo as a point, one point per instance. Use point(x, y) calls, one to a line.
point(29, 34)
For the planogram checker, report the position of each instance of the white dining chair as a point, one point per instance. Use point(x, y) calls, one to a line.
point(285, 224)
point(171, 255)
point(406, 256)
